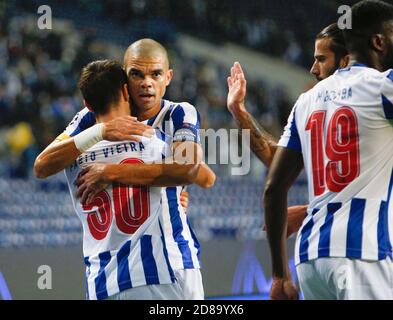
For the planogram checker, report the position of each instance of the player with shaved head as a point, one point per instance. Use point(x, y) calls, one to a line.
point(177, 124)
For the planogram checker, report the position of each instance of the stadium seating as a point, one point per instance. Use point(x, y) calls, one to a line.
point(38, 73)
point(41, 213)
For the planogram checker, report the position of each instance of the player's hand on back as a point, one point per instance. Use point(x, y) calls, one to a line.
point(90, 183)
point(283, 289)
point(184, 199)
point(296, 215)
point(236, 90)
point(125, 128)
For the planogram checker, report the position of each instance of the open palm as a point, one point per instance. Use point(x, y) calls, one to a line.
point(236, 89)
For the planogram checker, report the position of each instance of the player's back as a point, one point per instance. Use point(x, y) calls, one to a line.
point(342, 128)
point(123, 242)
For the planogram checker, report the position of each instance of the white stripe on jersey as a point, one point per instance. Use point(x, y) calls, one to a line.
point(112, 286)
point(94, 267)
point(163, 274)
point(340, 233)
point(370, 230)
point(187, 233)
point(137, 273)
point(313, 247)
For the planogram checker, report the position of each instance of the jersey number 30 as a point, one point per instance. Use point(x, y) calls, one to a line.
point(341, 148)
point(128, 217)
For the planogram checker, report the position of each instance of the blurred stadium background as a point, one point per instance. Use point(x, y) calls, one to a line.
point(274, 41)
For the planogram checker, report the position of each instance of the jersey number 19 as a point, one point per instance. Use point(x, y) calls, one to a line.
point(341, 148)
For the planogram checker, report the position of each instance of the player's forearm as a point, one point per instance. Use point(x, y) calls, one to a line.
point(56, 157)
point(296, 215)
point(263, 144)
point(205, 177)
point(156, 175)
point(275, 202)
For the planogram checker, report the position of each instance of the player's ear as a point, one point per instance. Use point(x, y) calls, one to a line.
point(378, 42)
point(344, 61)
point(169, 76)
point(125, 92)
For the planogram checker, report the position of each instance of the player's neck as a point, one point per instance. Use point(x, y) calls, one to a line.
point(367, 59)
point(114, 112)
point(149, 113)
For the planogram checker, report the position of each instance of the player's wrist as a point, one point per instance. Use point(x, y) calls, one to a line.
point(88, 138)
point(238, 110)
point(283, 273)
point(109, 173)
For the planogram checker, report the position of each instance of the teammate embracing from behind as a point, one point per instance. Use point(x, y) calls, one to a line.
point(177, 127)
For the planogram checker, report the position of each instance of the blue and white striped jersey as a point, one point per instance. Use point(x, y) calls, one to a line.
point(174, 122)
point(123, 242)
point(342, 128)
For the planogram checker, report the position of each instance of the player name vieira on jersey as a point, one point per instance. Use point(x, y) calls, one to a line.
point(89, 157)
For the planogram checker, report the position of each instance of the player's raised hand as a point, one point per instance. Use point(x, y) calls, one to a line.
point(90, 183)
point(237, 87)
point(283, 289)
point(125, 128)
point(184, 200)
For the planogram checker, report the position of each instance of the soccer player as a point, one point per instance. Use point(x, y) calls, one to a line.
point(123, 244)
point(330, 54)
point(147, 65)
point(341, 131)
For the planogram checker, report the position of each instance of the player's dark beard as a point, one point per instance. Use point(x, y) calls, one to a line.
point(331, 70)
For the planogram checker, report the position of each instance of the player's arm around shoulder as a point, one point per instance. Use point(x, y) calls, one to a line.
point(65, 149)
point(55, 157)
point(186, 147)
point(189, 155)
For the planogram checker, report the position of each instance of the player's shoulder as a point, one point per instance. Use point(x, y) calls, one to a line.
point(81, 121)
point(388, 75)
point(362, 74)
point(181, 106)
point(82, 116)
point(183, 112)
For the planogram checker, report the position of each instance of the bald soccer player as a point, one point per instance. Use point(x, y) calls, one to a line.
point(177, 124)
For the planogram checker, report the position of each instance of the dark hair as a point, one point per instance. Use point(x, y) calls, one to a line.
point(368, 18)
point(100, 84)
point(337, 44)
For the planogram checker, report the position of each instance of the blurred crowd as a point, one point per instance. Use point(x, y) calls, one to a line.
point(38, 95)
